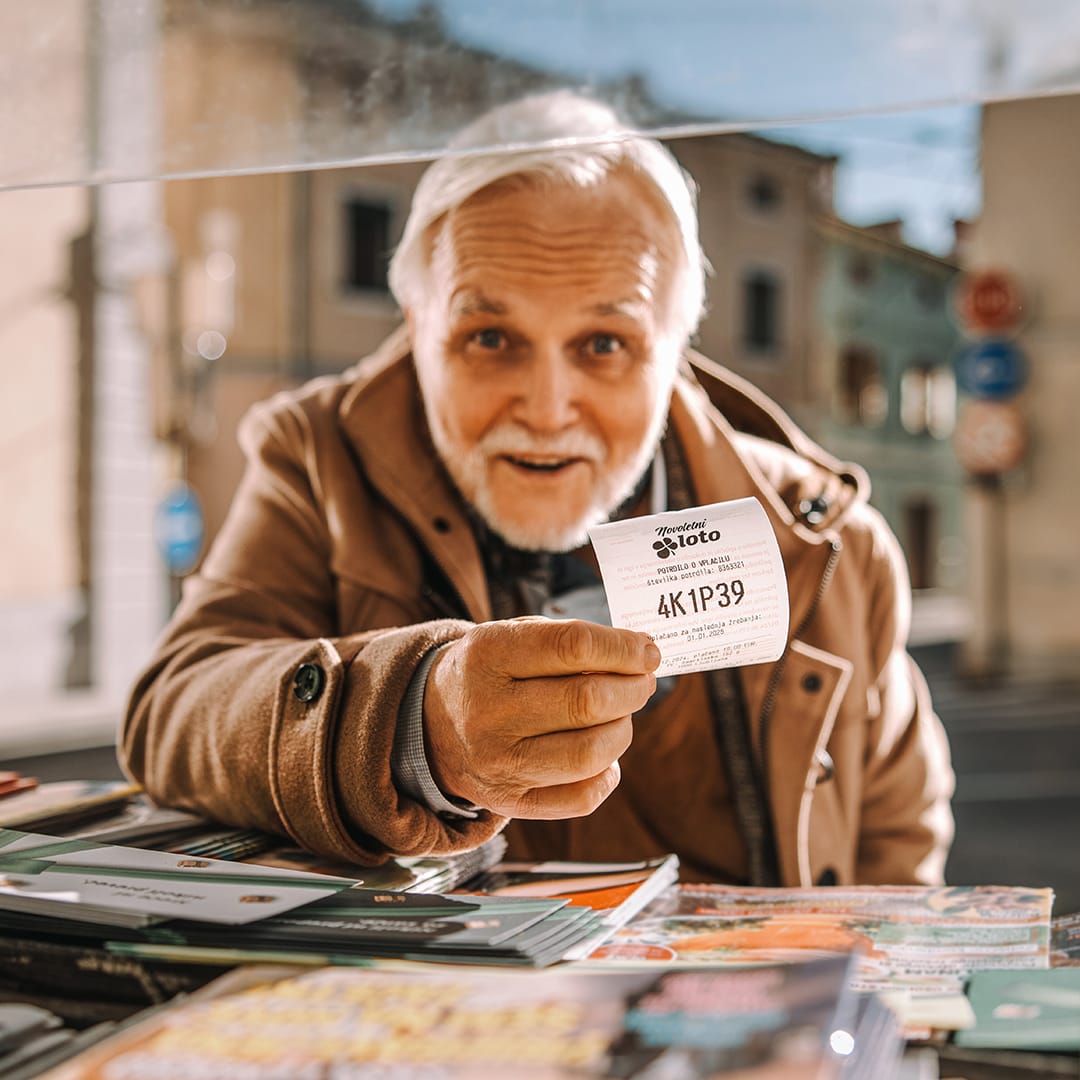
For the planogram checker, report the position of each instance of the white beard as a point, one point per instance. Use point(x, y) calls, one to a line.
point(468, 468)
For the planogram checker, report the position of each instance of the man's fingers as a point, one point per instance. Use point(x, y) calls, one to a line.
point(532, 648)
point(574, 702)
point(565, 756)
point(495, 694)
point(566, 800)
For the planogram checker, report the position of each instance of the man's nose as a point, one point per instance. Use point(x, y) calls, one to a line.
point(548, 396)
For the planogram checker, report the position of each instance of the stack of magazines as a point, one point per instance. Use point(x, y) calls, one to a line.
point(177, 907)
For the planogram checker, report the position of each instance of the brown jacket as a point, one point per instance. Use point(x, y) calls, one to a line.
point(343, 522)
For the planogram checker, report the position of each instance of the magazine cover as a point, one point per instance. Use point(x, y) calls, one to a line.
point(922, 939)
point(766, 1022)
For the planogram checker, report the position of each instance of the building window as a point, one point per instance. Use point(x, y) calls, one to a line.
point(367, 245)
point(862, 397)
point(919, 539)
point(761, 311)
point(861, 269)
point(928, 400)
point(763, 194)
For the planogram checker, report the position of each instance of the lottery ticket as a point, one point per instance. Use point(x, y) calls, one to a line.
point(707, 583)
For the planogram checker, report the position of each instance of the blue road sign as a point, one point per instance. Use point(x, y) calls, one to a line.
point(992, 368)
point(179, 529)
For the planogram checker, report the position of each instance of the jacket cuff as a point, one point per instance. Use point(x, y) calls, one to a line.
point(378, 669)
point(408, 760)
point(300, 752)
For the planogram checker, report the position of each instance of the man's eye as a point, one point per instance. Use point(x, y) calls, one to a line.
point(489, 339)
point(604, 344)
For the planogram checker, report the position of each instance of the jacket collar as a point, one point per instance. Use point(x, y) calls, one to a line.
point(383, 419)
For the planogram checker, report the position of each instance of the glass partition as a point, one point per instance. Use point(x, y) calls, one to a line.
point(107, 90)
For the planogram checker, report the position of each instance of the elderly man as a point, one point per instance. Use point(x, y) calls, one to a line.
point(397, 645)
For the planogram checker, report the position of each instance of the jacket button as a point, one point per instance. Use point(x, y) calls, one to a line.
point(811, 683)
point(308, 683)
point(827, 877)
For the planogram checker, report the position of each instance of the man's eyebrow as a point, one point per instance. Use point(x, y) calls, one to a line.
point(470, 302)
point(630, 308)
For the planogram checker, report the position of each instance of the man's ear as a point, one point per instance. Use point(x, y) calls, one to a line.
point(410, 323)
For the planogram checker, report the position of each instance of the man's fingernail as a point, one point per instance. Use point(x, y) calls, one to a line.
point(652, 655)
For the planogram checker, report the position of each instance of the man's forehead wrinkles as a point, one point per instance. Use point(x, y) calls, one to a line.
point(475, 276)
point(517, 232)
point(571, 262)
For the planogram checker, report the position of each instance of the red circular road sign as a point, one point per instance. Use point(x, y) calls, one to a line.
point(989, 301)
point(990, 437)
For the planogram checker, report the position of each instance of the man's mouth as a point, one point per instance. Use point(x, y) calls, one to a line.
point(541, 464)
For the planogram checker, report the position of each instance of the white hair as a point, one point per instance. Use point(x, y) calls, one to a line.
point(561, 136)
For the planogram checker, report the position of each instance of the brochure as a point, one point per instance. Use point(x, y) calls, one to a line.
point(119, 886)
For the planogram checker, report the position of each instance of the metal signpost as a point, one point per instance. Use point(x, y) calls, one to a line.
point(990, 440)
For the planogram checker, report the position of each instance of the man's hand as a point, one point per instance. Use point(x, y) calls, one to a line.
point(528, 717)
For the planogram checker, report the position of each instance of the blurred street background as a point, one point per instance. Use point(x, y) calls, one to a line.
point(1016, 749)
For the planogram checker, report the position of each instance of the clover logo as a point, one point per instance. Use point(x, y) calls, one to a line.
point(664, 548)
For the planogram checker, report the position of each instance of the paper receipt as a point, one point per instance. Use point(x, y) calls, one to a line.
point(707, 583)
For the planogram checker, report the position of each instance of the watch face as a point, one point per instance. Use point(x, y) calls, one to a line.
point(991, 437)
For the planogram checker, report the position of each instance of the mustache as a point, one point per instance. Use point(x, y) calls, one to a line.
point(512, 440)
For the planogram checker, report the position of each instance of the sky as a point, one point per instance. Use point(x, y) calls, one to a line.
point(920, 166)
point(891, 86)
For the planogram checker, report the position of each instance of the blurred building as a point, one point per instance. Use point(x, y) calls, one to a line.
point(46, 343)
point(849, 329)
point(82, 595)
point(1025, 572)
point(886, 398)
point(759, 203)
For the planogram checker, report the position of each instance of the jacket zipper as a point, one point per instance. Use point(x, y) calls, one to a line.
point(774, 681)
